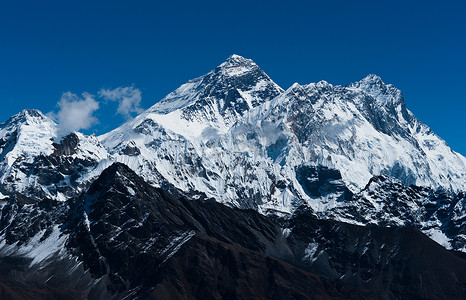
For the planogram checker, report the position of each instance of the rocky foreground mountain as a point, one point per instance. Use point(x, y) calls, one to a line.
point(124, 239)
point(317, 191)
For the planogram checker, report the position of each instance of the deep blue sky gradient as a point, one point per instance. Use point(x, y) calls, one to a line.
point(50, 47)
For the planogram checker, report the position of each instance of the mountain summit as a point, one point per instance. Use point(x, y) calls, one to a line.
point(34, 163)
point(233, 135)
point(216, 99)
point(232, 187)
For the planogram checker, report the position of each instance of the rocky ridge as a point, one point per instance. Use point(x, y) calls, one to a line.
point(124, 238)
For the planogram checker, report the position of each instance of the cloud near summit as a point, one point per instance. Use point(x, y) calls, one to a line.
point(129, 99)
point(76, 112)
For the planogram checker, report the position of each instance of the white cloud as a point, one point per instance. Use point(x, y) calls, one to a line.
point(76, 112)
point(128, 98)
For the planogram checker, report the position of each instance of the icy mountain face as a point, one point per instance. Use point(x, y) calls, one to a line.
point(323, 144)
point(168, 140)
point(217, 99)
point(363, 130)
point(34, 163)
point(316, 144)
point(344, 128)
point(308, 160)
point(386, 202)
point(235, 136)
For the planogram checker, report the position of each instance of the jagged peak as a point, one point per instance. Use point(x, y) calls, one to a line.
point(114, 174)
point(236, 59)
point(371, 81)
point(236, 72)
point(236, 65)
point(319, 85)
point(32, 113)
point(28, 116)
point(296, 87)
point(117, 166)
point(236, 56)
point(116, 170)
point(372, 78)
point(374, 86)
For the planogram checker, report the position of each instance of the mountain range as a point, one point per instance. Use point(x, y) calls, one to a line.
point(327, 187)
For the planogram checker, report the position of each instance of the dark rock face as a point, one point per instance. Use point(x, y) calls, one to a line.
point(67, 145)
point(205, 268)
point(130, 150)
point(7, 143)
point(387, 202)
point(398, 263)
point(124, 227)
point(321, 181)
point(129, 239)
point(23, 218)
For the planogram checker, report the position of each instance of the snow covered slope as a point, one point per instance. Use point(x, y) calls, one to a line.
point(363, 130)
point(215, 101)
point(168, 140)
point(35, 163)
point(222, 134)
point(235, 136)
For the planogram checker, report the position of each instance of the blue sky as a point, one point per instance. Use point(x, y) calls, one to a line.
point(49, 48)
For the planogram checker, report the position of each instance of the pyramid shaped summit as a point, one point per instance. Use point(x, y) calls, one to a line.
point(27, 116)
point(236, 65)
point(235, 136)
point(237, 59)
point(218, 98)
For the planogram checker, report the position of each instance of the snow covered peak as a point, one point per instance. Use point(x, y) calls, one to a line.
point(216, 100)
point(236, 65)
point(235, 74)
point(27, 116)
point(321, 85)
point(384, 94)
point(32, 113)
point(26, 133)
point(236, 59)
point(36, 161)
point(371, 79)
point(370, 83)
